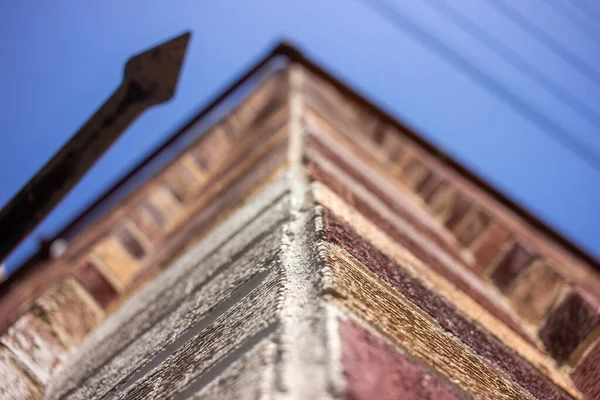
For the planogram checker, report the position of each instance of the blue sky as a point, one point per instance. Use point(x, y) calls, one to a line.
point(62, 59)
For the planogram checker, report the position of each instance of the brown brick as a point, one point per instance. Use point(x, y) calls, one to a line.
point(342, 235)
point(511, 264)
point(460, 208)
point(15, 382)
point(430, 185)
point(155, 213)
point(148, 221)
point(486, 250)
point(471, 227)
point(568, 324)
point(182, 182)
point(32, 340)
point(130, 242)
point(71, 311)
point(233, 124)
point(270, 118)
point(369, 123)
point(360, 293)
point(375, 369)
point(394, 147)
point(114, 260)
point(415, 173)
point(534, 291)
point(164, 203)
point(200, 174)
point(441, 202)
point(198, 156)
point(586, 375)
point(95, 283)
point(212, 150)
point(271, 92)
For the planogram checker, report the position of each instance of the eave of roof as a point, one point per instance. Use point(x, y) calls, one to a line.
point(294, 55)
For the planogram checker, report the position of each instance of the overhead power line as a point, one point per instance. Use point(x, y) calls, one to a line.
point(586, 9)
point(549, 128)
point(545, 39)
point(577, 22)
point(513, 58)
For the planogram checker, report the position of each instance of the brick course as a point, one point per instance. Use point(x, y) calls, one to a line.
point(376, 369)
point(568, 324)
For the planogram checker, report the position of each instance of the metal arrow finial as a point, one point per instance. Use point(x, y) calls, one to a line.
point(155, 72)
point(150, 78)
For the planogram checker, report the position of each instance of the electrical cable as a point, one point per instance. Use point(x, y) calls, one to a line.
point(549, 127)
point(516, 60)
point(545, 39)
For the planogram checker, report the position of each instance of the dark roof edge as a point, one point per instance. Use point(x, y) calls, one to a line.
point(294, 55)
point(23, 270)
point(232, 87)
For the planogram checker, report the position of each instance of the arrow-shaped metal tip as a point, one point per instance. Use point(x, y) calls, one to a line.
point(156, 70)
point(150, 78)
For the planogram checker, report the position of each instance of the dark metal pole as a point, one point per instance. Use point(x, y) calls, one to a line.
point(150, 78)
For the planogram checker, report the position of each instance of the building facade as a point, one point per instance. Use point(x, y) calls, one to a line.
point(294, 241)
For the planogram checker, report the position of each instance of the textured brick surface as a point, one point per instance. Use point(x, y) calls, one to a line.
point(95, 283)
point(71, 311)
point(356, 290)
point(460, 208)
point(366, 209)
point(213, 149)
point(346, 192)
point(15, 383)
point(271, 94)
point(32, 340)
point(375, 369)
point(471, 227)
point(118, 265)
point(468, 307)
point(211, 299)
point(441, 311)
point(130, 242)
point(151, 220)
point(587, 374)
point(405, 240)
point(415, 173)
point(251, 319)
point(350, 167)
point(441, 202)
point(488, 248)
point(511, 264)
point(145, 223)
point(182, 182)
point(430, 185)
point(246, 230)
point(535, 291)
point(395, 148)
point(244, 311)
point(243, 379)
point(335, 109)
point(569, 324)
point(166, 205)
